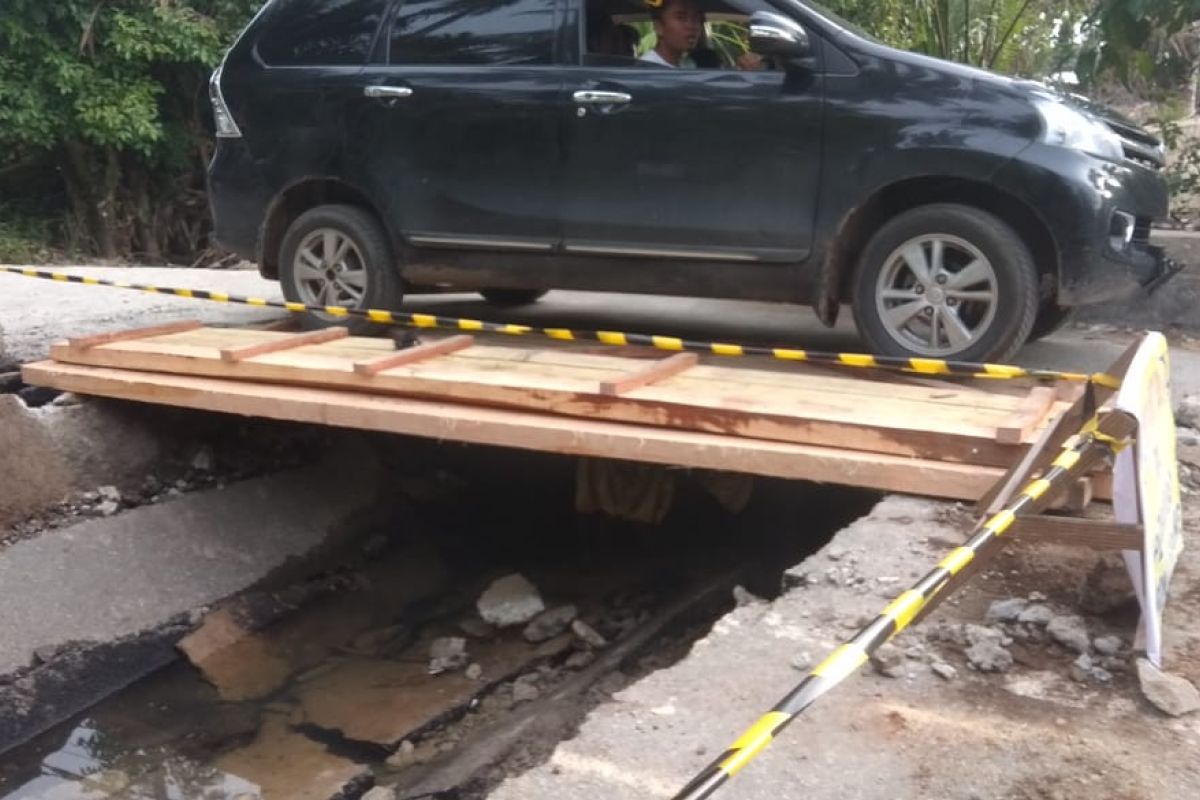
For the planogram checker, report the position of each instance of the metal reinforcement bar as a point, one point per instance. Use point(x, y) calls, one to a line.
point(922, 366)
point(1099, 439)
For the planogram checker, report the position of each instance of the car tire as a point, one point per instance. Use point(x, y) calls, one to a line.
point(1051, 317)
point(361, 271)
point(511, 298)
point(946, 281)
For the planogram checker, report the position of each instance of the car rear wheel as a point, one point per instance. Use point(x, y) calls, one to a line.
point(946, 281)
point(339, 256)
point(510, 298)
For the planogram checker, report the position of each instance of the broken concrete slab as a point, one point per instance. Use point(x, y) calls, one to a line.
point(240, 664)
point(104, 579)
point(34, 474)
point(284, 763)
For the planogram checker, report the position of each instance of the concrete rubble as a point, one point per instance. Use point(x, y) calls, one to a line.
point(511, 600)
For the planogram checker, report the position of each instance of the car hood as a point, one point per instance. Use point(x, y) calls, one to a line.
point(1139, 144)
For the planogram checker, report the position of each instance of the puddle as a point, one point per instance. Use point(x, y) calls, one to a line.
point(336, 696)
point(92, 765)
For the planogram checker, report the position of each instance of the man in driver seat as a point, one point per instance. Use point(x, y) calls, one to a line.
point(679, 30)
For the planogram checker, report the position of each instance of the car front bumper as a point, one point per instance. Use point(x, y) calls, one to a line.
point(1082, 200)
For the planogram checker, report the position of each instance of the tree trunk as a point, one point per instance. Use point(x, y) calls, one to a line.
point(95, 210)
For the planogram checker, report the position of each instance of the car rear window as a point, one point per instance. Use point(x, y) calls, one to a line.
point(473, 32)
point(321, 32)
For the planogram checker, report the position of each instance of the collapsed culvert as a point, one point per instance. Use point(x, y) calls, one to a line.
point(466, 629)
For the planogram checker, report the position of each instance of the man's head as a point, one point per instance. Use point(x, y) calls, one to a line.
point(678, 24)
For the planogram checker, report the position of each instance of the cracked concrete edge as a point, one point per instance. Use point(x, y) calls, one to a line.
point(100, 604)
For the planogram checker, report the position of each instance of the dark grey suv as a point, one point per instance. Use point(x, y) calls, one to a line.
point(370, 148)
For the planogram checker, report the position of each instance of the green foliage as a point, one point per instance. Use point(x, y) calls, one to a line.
point(22, 237)
point(1183, 171)
point(113, 90)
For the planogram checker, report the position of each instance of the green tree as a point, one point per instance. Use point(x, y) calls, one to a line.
point(108, 98)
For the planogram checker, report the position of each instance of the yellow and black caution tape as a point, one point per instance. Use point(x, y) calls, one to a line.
point(922, 366)
point(1094, 442)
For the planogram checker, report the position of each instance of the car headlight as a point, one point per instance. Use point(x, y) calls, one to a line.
point(1063, 126)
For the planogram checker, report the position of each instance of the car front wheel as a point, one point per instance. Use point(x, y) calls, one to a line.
point(339, 256)
point(946, 281)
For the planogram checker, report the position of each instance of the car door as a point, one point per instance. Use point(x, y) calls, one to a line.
point(460, 128)
point(691, 163)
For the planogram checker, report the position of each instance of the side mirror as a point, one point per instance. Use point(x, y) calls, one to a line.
point(778, 36)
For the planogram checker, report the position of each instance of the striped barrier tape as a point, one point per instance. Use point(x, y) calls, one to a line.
point(1097, 440)
point(921, 366)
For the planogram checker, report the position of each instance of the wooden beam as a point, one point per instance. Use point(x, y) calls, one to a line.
point(526, 430)
point(651, 373)
point(411, 355)
point(1096, 534)
point(242, 352)
point(1033, 409)
point(88, 342)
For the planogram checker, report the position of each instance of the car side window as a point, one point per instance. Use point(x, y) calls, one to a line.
point(321, 33)
point(473, 32)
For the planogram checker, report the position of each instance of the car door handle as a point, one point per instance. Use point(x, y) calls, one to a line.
point(593, 97)
point(388, 92)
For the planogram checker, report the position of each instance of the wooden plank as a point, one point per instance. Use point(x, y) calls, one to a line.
point(722, 403)
point(1032, 411)
point(651, 373)
point(412, 355)
point(1096, 534)
point(88, 342)
point(285, 342)
point(525, 430)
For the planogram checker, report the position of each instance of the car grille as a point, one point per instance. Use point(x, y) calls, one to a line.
point(1140, 147)
point(1141, 231)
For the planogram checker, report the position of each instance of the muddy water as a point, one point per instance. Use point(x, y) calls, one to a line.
point(315, 705)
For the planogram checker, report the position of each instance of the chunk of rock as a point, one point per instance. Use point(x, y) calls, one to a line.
point(550, 623)
point(1168, 693)
point(476, 628)
point(589, 635)
point(404, 756)
point(525, 692)
point(1107, 645)
point(511, 600)
point(1086, 670)
point(474, 672)
point(1107, 587)
point(988, 655)
point(744, 597)
point(888, 661)
point(447, 654)
point(1071, 632)
point(803, 661)
point(110, 493)
point(380, 793)
point(580, 659)
point(1006, 610)
point(1036, 614)
point(943, 670)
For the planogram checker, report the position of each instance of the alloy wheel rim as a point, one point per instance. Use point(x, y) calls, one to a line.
point(937, 295)
point(329, 270)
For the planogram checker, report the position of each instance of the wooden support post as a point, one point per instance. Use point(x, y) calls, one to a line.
point(87, 342)
point(241, 353)
point(1033, 410)
point(411, 355)
point(1095, 534)
point(647, 375)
